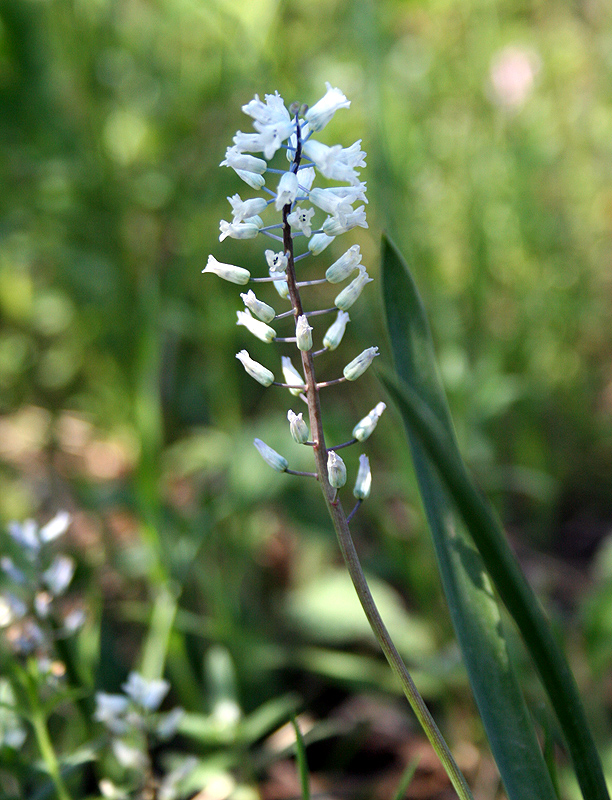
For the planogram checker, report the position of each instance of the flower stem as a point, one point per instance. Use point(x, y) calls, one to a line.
point(47, 752)
point(341, 525)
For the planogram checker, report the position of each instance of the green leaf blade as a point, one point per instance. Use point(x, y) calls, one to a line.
point(474, 610)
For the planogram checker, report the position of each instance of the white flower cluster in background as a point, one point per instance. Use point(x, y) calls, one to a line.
point(32, 609)
point(313, 215)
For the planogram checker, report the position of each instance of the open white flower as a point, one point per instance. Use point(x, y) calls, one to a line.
point(287, 190)
point(243, 209)
point(301, 219)
point(320, 114)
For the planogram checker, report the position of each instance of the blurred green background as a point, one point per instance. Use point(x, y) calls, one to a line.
point(488, 128)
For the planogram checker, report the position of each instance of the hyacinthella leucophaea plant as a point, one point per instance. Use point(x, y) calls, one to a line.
point(299, 203)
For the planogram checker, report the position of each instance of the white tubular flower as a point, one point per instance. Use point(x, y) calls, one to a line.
point(262, 310)
point(335, 332)
point(363, 484)
point(292, 376)
point(334, 226)
point(271, 112)
point(300, 218)
point(281, 285)
point(254, 180)
point(270, 456)
point(303, 333)
point(248, 142)
point(297, 427)
point(255, 369)
point(332, 203)
point(350, 293)
point(148, 694)
point(318, 242)
point(243, 209)
point(255, 326)
point(55, 527)
point(240, 230)
point(358, 365)
point(237, 160)
point(365, 427)
point(277, 262)
point(320, 114)
point(272, 136)
point(336, 163)
point(343, 267)
point(287, 190)
point(110, 710)
point(227, 271)
point(57, 578)
point(336, 470)
point(357, 192)
point(306, 178)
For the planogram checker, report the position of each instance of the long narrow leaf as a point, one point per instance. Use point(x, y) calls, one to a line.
point(421, 400)
point(473, 607)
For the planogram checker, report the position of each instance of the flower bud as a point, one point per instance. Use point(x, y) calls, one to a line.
point(343, 267)
point(318, 242)
point(350, 293)
point(255, 369)
point(270, 456)
point(303, 333)
point(336, 470)
point(297, 426)
point(262, 310)
point(363, 484)
point(257, 328)
point(227, 271)
point(358, 365)
point(335, 332)
point(365, 427)
point(292, 376)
